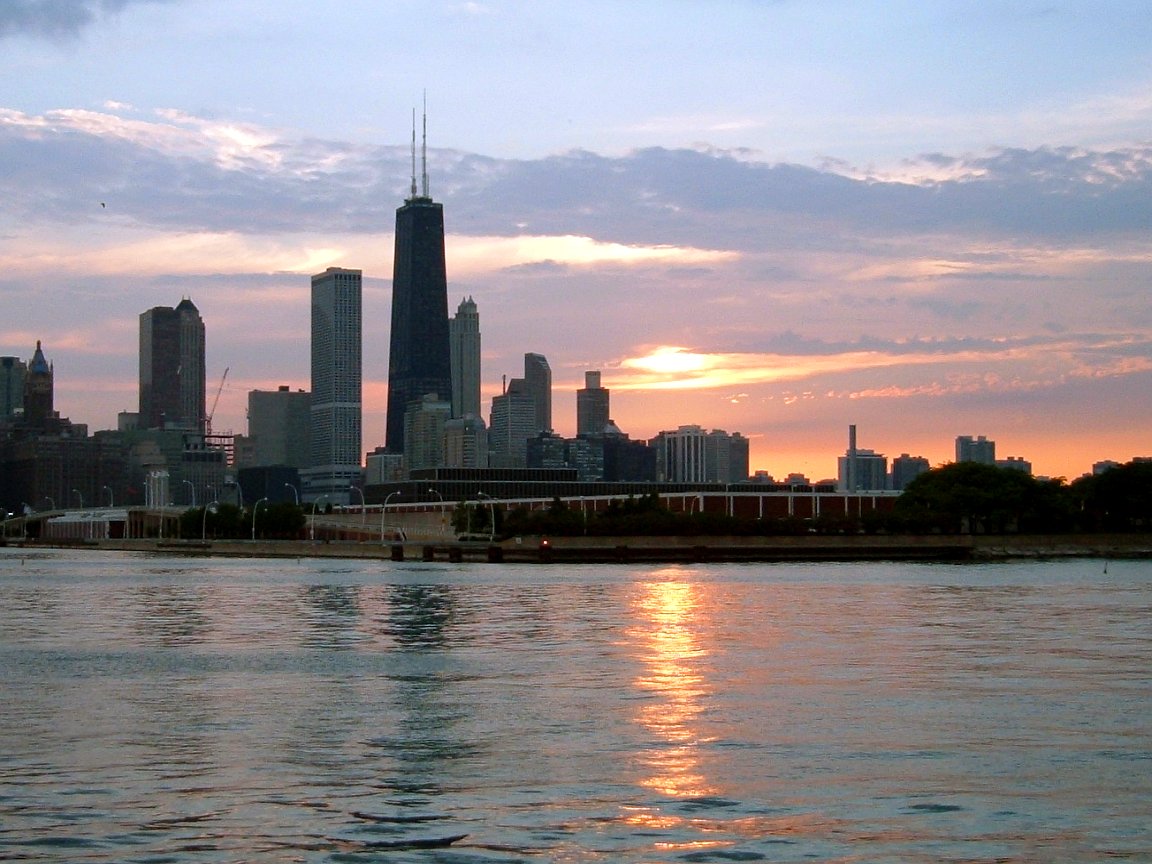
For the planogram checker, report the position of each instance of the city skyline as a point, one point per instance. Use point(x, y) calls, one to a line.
point(927, 247)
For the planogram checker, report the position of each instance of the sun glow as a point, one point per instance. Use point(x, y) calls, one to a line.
point(471, 255)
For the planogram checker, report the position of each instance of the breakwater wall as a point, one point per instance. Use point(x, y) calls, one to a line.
point(575, 550)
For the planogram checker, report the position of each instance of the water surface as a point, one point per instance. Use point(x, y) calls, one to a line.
point(160, 709)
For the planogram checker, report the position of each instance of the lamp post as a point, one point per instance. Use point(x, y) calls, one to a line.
point(441, 497)
point(255, 510)
point(111, 498)
point(295, 493)
point(51, 502)
point(492, 513)
point(363, 506)
point(312, 526)
point(188, 483)
point(81, 497)
point(239, 491)
point(204, 519)
point(383, 510)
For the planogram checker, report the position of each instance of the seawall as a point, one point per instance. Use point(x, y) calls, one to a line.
point(572, 550)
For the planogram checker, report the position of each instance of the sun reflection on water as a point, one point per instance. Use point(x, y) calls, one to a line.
point(665, 634)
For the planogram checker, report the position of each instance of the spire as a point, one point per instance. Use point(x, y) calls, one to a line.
point(413, 153)
point(424, 147)
point(38, 365)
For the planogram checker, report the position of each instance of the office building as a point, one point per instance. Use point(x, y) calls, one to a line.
point(592, 406)
point(12, 371)
point(538, 380)
point(172, 368)
point(907, 468)
point(38, 391)
point(861, 470)
point(547, 450)
point(419, 357)
point(979, 449)
point(1015, 463)
point(464, 344)
point(465, 443)
point(424, 432)
point(279, 428)
point(336, 387)
point(688, 454)
point(513, 422)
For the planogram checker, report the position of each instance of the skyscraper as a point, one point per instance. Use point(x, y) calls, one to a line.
point(538, 379)
point(172, 367)
point(464, 337)
point(592, 411)
point(513, 422)
point(38, 391)
point(419, 358)
point(978, 449)
point(280, 425)
point(336, 386)
point(12, 372)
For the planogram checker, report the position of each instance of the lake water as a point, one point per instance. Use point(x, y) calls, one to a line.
point(160, 709)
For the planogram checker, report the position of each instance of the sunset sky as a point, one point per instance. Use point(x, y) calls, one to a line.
point(774, 218)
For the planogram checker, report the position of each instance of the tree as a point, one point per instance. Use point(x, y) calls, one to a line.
point(968, 497)
point(1119, 499)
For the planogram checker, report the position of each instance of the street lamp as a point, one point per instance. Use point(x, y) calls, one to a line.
point(383, 510)
point(255, 510)
point(363, 506)
point(441, 497)
point(111, 498)
point(204, 519)
point(312, 526)
point(239, 491)
point(81, 497)
point(193, 488)
point(492, 513)
point(295, 493)
point(51, 502)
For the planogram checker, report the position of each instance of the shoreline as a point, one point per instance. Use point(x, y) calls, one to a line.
point(656, 550)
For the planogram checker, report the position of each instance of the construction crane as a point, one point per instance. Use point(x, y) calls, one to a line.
point(208, 419)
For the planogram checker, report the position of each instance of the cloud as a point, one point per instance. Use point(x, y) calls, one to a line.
point(56, 19)
point(184, 172)
point(966, 365)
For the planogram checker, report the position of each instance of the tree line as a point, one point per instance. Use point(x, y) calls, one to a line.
point(958, 498)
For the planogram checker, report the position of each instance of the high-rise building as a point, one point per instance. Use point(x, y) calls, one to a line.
point(12, 371)
point(680, 455)
point(336, 387)
point(861, 470)
point(979, 449)
point(465, 443)
point(907, 468)
point(688, 454)
point(538, 380)
point(172, 368)
point(513, 422)
point(38, 391)
point(592, 406)
point(1015, 463)
point(419, 357)
point(424, 432)
point(464, 342)
point(280, 428)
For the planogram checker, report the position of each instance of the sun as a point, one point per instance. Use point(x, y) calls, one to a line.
point(670, 360)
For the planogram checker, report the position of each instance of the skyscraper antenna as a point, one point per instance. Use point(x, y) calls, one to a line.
point(424, 147)
point(413, 152)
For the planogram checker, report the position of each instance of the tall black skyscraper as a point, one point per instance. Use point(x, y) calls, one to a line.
point(419, 357)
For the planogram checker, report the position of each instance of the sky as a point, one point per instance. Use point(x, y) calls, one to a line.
point(773, 218)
